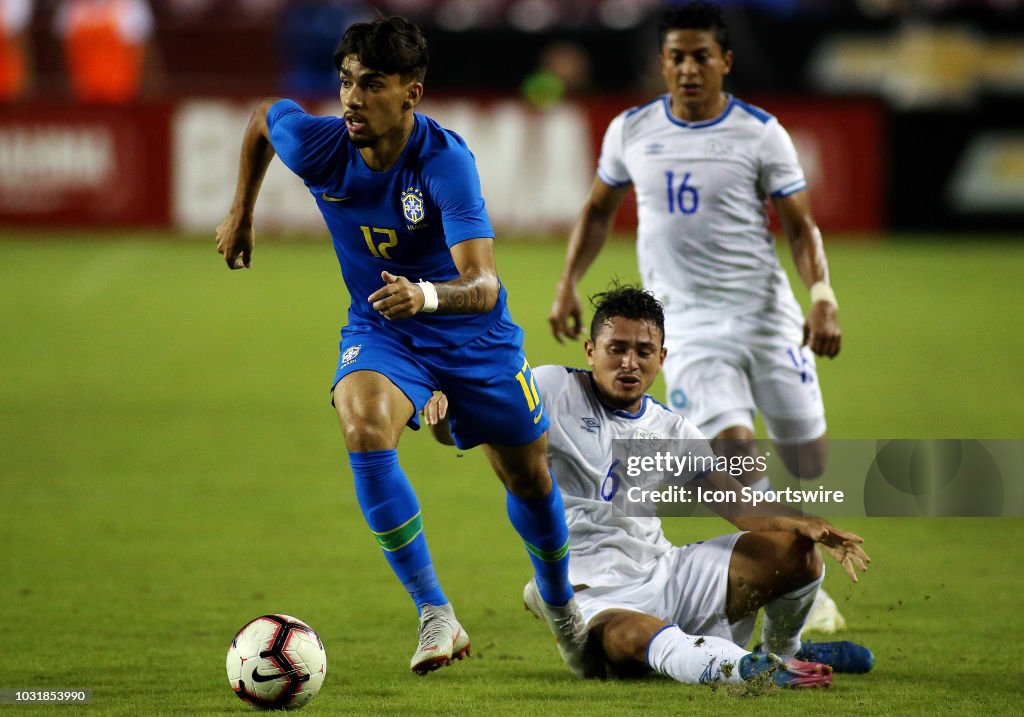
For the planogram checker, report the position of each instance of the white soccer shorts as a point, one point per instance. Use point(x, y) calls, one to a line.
point(688, 587)
point(719, 373)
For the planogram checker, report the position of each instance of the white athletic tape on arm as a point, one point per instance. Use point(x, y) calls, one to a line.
point(429, 297)
point(823, 292)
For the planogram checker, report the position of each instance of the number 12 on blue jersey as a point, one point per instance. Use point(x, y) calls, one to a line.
point(683, 197)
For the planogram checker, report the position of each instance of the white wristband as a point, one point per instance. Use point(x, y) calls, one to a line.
point(429, 296)
point(821, 291)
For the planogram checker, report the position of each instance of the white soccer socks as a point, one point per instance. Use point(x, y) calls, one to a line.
point(784, 619)
point(692, 659)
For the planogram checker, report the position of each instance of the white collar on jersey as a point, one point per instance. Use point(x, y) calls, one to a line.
point(729, 104)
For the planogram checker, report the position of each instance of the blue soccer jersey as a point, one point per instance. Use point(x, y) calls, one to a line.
point(403, 220)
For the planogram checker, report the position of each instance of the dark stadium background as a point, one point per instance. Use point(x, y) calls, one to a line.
point(945, 78)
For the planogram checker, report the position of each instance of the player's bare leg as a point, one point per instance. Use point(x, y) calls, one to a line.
point(781, 572)
point(634, 643)
point(806, 459)
point(538, 515)
point(372, 412)
point(523, 470)
point(738, 442)
point(766, 566)
point(624, 636)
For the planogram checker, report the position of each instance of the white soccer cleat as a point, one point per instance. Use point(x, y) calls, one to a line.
point(442, 640)
point(824, 615)
point(566, 624)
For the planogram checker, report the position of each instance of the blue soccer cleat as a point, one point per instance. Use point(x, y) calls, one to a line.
point(842, 656)
point(787, 674)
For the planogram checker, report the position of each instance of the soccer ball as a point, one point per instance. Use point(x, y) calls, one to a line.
point(276, 662)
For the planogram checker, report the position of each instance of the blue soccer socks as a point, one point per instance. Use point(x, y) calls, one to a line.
point(541, 525)
point(392, 511)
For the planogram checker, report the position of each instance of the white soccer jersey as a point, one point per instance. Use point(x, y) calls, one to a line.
point(702, 241)
point(607, 546)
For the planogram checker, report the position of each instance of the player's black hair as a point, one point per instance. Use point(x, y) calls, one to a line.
point(629, 302)
point(391, 45)
point(695, 16)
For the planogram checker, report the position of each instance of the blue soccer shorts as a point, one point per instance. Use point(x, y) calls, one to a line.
point(492, 397)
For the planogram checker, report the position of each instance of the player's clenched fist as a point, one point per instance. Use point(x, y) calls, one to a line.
point(566, 315)
point(821, 329)
point(399, 298)
point(235, 239)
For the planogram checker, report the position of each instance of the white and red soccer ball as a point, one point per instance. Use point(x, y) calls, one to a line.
point(276, 662)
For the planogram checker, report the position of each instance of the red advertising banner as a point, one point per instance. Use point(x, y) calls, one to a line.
point(173, 166)
point(75, 166)
point(842, 148)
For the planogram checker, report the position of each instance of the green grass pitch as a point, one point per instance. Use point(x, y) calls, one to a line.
point(171, 468)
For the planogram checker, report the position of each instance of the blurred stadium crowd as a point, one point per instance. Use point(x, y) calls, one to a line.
point(261, 46)
point(943, 75)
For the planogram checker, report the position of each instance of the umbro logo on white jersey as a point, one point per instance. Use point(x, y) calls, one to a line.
point(590, 424)
point(654, 148)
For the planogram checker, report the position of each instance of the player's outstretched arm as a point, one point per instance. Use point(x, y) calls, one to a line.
point(475, 291)
point(821, 327)
point(588, 236)
point(235, 234)
point(844, 547)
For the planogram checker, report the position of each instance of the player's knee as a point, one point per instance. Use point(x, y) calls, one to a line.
point(366, 436)
point(528, 485)
point(739, 447)
point(805, 459)
point(737, 441)
point(808, 463)
point(804, 561)
point(624, 637)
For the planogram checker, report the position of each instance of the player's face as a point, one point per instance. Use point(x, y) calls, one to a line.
point(625, 356)
point(375, 105)
point(694, 68)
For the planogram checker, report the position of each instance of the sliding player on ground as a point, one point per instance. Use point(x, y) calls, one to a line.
point(703, 163)
point(686, 612)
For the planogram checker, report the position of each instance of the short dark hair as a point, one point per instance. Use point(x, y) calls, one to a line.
point(695, 16)
point(391, 45)
point(629, 302)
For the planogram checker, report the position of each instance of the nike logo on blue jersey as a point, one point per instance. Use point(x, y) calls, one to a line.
point(328, 198)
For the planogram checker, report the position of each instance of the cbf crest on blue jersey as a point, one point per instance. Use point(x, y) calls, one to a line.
point(350, 354)
point(412, 205)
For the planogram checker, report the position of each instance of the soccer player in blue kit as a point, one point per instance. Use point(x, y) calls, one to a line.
point(401, 198)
